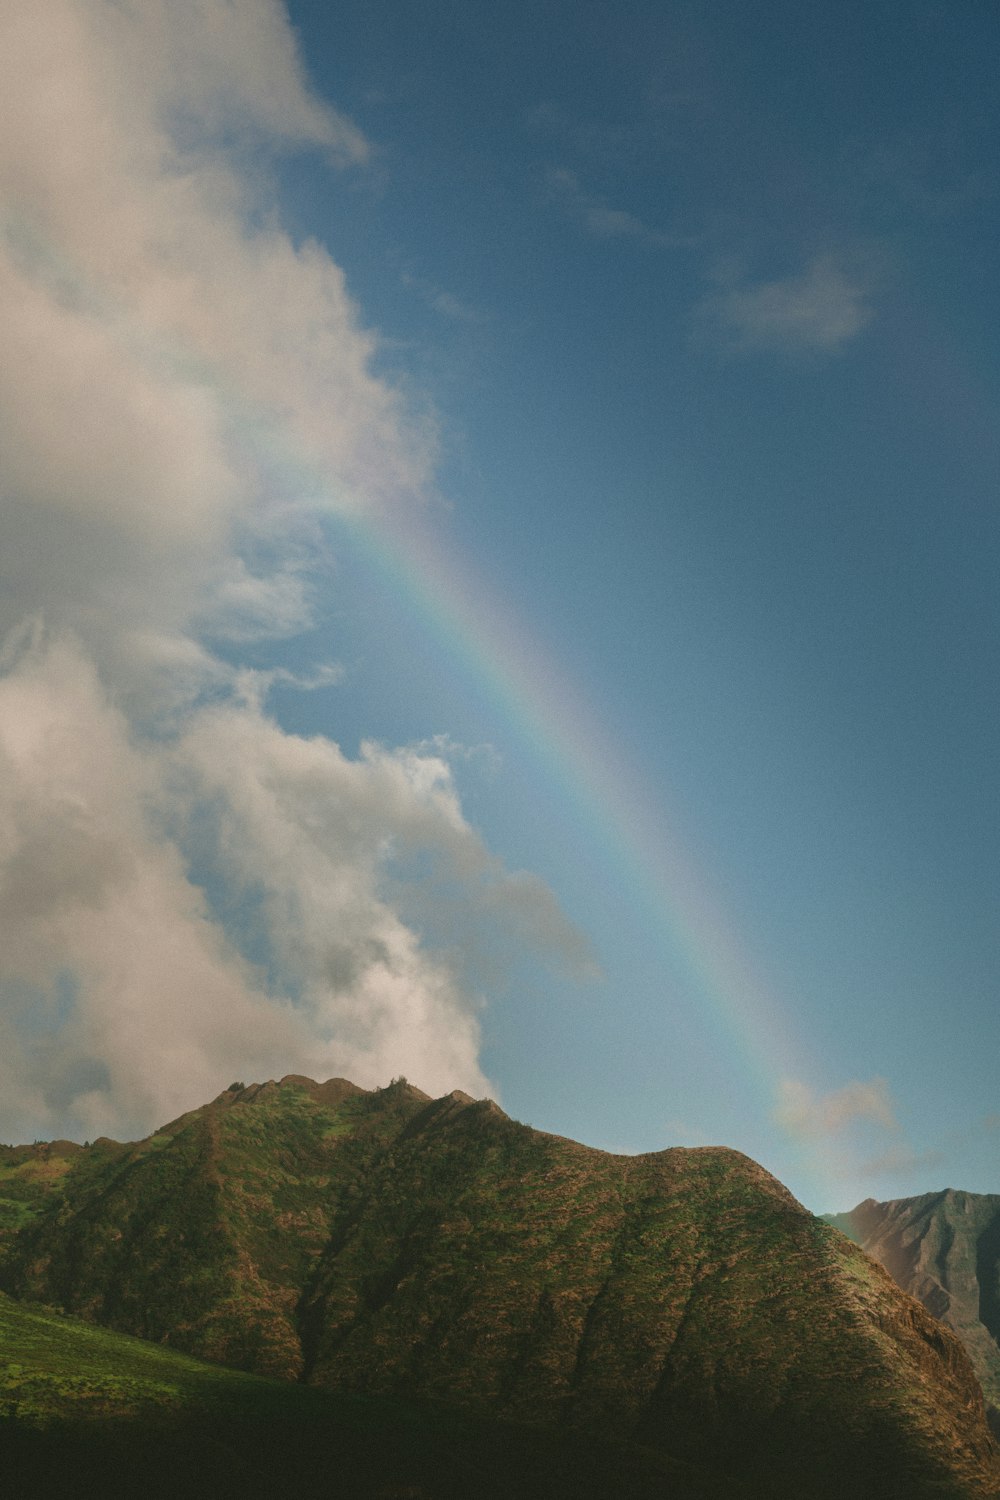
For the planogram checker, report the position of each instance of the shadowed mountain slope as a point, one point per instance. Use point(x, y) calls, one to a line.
point(387, 1245)
point(86, 1411)
point(944, 1249)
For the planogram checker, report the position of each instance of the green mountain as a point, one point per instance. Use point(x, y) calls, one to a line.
point(388, 1247)
point(944, 1249)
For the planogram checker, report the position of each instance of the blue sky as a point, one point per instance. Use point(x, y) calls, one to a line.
point(543, 607)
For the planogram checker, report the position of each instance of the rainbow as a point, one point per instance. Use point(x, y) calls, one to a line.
point(639, 842)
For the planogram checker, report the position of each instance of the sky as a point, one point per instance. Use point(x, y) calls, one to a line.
point(498, 552)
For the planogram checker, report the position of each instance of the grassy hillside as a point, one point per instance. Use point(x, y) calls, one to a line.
point(389, 1247)
point(87, 1411)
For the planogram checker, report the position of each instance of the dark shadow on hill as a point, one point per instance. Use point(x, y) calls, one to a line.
point(367, 1450)
point(988, 1277)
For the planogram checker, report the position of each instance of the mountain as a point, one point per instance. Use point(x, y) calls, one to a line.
point(944, 1249)
point(386, 1246)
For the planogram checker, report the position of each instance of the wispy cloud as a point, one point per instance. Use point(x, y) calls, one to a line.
point(802, 1112)
point(442, 301)
point(486, 757)
point(251, 685)
point(819, 308)
point(896, 1161)
point(899, 1159)
point(599, 217)
point(920, 171)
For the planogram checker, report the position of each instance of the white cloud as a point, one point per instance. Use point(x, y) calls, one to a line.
point(219, 62)
point(805, 1113)
point(187, 893)
point(176, 369)
point(306, 833)
point(95, 904)
point(485, 755)
point(251, 685)
point(820, 308)
point(97, 901)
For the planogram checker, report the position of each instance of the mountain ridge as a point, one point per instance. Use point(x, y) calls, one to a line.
point(944, 1249)
point(386, 1244)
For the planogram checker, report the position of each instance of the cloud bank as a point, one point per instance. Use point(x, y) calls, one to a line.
point(187, 892)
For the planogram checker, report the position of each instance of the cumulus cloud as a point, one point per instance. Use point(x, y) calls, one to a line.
point(187, 892)
point(170, 351)
point(120, 995)
point(820, 308)
point(126, 997)
point(803, 1112)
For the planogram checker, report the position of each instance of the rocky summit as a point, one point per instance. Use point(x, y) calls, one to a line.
point(943, 1248)
point(387, 1246)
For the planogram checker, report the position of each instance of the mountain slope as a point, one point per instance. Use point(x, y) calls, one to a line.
point(201, 1235)
point(28, 1175)
point(87, 1411)
point(388, 1245)
point(944, 1249)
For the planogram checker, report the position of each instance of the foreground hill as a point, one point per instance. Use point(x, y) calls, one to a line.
point(943, 1248)
point(387, 1245)
point(85, 1411)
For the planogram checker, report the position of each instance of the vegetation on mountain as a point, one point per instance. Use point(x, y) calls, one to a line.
point(27, 1176)
point(944, 1249)
point(84, 1410)
point(387, 1247)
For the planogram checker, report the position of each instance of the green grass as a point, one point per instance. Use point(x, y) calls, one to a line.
point(56, 1368)
point(15, 1213)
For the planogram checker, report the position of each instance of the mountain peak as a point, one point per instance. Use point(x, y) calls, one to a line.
point(944, 1249)
point(384, 1243)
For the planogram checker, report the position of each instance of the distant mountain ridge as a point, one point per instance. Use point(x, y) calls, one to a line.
point(389, 1245)
point(944, 1249)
